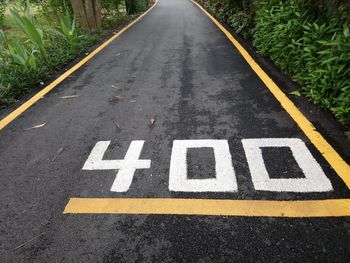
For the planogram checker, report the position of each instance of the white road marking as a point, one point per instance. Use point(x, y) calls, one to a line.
point(225, 180)
point(126, 167)
point(315, 180)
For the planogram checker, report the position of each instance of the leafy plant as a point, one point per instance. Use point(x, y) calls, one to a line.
point(20, 55)
point(67, 29)
point(242, 22)
point(26, 24)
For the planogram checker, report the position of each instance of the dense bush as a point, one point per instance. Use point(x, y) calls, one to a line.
point(310, 40)
point(237, 13)
point(315, 50)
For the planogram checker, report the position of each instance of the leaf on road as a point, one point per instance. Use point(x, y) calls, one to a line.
point(36, 126)
point(117, 124)
point(152, 121)
point(69, 97)
point(30, 240)
point(57, 154)
point(295, 93)
point(132, 101)
point(114, 87)
point(119, 98)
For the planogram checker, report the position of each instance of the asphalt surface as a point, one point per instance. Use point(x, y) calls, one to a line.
point(177, 66)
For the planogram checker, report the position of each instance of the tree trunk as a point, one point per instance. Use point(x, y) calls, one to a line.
point(79, 12)
point(88, 13)
point(98, 14)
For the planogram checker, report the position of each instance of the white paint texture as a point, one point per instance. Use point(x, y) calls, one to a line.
point(225, 180)
point(315, 180)
point(126, 167)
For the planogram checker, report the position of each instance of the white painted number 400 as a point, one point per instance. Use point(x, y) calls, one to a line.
point(314, 179)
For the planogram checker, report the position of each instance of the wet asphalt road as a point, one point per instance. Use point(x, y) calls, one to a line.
point(178, 66)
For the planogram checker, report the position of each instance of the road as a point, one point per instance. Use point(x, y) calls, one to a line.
point(174, 90)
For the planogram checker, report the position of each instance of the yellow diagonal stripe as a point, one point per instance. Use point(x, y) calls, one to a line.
point(170, 206)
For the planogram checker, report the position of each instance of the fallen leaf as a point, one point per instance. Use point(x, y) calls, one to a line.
point(132, 101)
point(347, 134)
point(296, 93)
point(69, 97)
point(36, 126)
point(152, 121)
point(119, 98)
point(116, 124)
point(114, 87)
point(57, 154)
point(118, 54)
point(30, 240)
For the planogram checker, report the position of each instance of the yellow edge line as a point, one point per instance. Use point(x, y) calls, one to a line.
point(333, 158)
point(14, 114)
point(170, 206)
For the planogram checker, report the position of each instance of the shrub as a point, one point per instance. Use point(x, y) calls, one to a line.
point(67, 29)
point(20, 68)
point(242, 22)
point(27, 25)
point(314, 50)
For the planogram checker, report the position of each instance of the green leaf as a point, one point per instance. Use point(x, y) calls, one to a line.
point(295, 93)
point(346, 31)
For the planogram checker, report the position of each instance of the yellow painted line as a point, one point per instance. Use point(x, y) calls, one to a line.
point(14, 114)
point(169, 206)
point(328, 152)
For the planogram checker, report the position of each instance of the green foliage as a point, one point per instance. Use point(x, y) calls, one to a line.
point(67, 29)
point(113, 13)
point(315, 51)
point(20, 55)
point(42, 43)
point(2, 13)
point(51, 8)
point(326, 72)
point(136, 6)
point(24, 59)
point(242, 22)
point(237, 13)
point(27, 25)
point(20, 68)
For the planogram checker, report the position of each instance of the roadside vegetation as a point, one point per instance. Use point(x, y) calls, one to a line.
point(307, 39)
point(38, 38)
